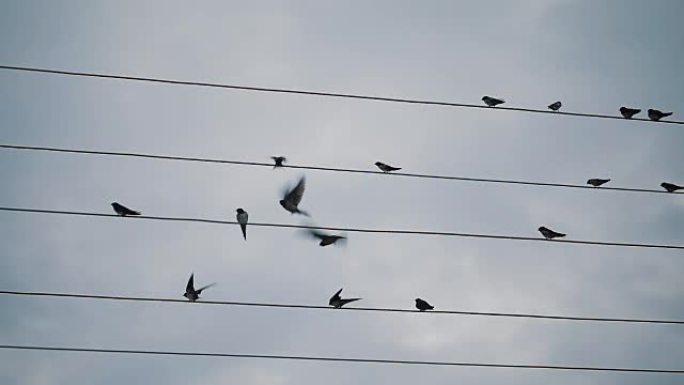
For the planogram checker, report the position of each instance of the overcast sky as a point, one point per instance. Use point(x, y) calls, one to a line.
point(593, 55)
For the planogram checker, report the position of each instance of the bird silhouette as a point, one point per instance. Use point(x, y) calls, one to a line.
point(122, 210)
point(242, 218)
point(386, 167)
point(326, 239)
point(492, 102)
point(278, 161)
point(628, 113)
point(656, 115)
point(422, 305)
point(293, 197)
point(337, 301)
point(550, 234)
point(671, 187)
point(555, 106)
point(191, 293)
point(596, 182)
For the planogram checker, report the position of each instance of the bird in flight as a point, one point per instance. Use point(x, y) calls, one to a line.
point(326, 239)
point(671, 187)
point(492, 102)
point(190, 293)
point(422, 305)
point(278, 161)
point(656, 115)
point(122, 210)
point(550, 234)
point(555, 106)
point(293, 197)
point(337, 301)
point(386, 167)
point(242, 217)
point(596, 182)
point(628, 113)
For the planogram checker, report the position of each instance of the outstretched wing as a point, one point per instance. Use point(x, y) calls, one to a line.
point(318, 235)
point(190, 287)
point(295, 195)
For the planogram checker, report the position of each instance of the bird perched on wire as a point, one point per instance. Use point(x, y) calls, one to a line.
point(242, 217)
point(550, 234)
point(278, 161)
point(326, 239)
point(492, 102)
point(386, 167)
point(293, 197)
point(628, 113)
point(555, 106)
point(191, 293)
point(656, 115)
point(422, 305)
point(671, 187)
point(123, 211)
point(337, 301)
point(596, 182)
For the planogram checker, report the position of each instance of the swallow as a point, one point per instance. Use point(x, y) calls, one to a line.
point(422, 305)
point(337, 302)
point(190, 293)
point(555, 106)
point(550, 234)
point(326, 239)
point(671, 187)
point(492, 102)
point(596, 182)
point(242, 217)
point(122, 210)
point(656, 115)
point(291, 199)
point(628, 113)
point(278, 161)
point(386, 167)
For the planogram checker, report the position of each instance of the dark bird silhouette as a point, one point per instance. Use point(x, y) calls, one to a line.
point(190, 293)
point(671, 187)
point(278, 161)
point(422, 305)
point(596, 182)
point(386, 167)
point(492, 102)
point(628, 113)
point(656, 115)
point(242, 217)
point(550, 234)
point(122, 210)
point(326, 239)
point(555, 106)
point(292, 198)
point(337, 302)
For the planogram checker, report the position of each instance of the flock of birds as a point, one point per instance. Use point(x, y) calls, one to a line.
point(293, 197)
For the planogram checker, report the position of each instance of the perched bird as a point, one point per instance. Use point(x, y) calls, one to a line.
point(628, 113)
point(597, 182)
point(291, 199)
point(242, 217)
point(656, 115)
point(278, 161)
point(337, 302)
point(122, 210)
point(326, 239)
point(492, 102)
point(190, 293)
point(671, 187)
point(422, 305)
point(550, 234)
point(386, 167)
point(555, 106)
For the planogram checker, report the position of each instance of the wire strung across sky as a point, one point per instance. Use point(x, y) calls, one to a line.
point(347, 229)
point(357, 171)
point(318, 307)
point(323, 94)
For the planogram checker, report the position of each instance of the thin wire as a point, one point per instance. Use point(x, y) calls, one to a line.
point(357, 171)
point(347, 229)
point(341, 359)
point(317, 307)
point(324, 94)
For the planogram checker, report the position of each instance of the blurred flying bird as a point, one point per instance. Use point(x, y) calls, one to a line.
point(326, 239)
point(596, 182)
point(386, 167)
point(656, 115)
point(291, 198)
point(242, 217)
point(492, 102)
point(422, 305)
point(550, 234)
point(190, 293)
point(278, 161)
point(337, 302)
point(628, 113)
point(122, 210)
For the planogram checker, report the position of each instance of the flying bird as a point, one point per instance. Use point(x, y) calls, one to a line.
point(122, 210)
point(656, 115)
point(242, 217)
point(190, 293)
point(386, 167)
point(337, 302)
point(326, 239)
point(628, 113)
point(555, 106)
point(278, 161)
point(671, 187)
point(422, 305)
point(596, 182)
point(292, 198)
point(492, 102)
point(550, 234)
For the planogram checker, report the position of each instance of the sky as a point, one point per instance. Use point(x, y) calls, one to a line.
point(595, 56)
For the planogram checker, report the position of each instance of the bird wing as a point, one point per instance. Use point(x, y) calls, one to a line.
point(190, 287)
point(318, 235)
point(295, 195)
point(337, 295)
point(206, 287)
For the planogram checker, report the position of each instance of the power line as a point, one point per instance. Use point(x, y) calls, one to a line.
point(341, 359)
point(348, 229)
point(317, 307)
point(317, 168)
point(323, 94)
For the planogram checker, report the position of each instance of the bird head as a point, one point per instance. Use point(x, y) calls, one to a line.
point(485, 97)
point(240, 211)
point(541, 228)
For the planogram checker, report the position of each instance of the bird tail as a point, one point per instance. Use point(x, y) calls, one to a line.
point(666, 114)
point(561, 235)
point(244, 230)
point(135, 213)
point(302, 212)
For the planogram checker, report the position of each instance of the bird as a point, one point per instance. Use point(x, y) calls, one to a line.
point(656, 115)
point(326, 239)
point(278, 161)
point(596, 182)
point(386, 167)
point(122, 210)
point(671, 187)
point(337, 302)
point(628, 113)
point(292, 198)
point(422, 305)
point(555, 106)
point(550, 234)
point(242, 217)
point(190, 293)
point(492, 102)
